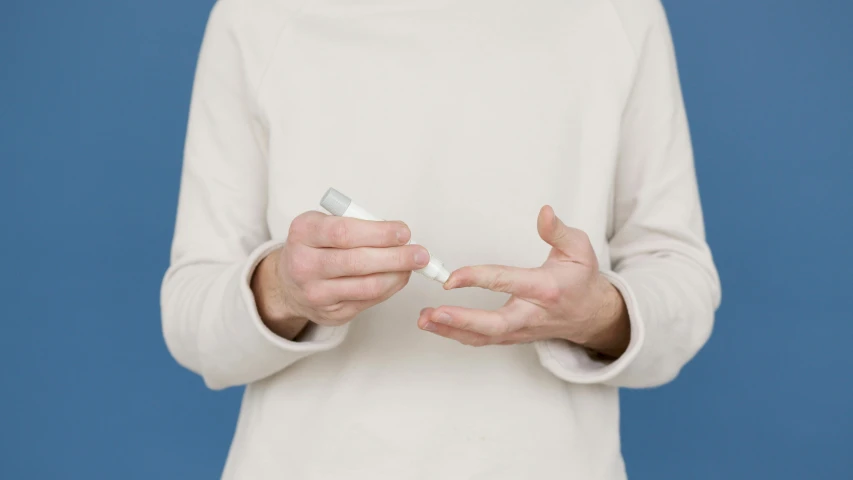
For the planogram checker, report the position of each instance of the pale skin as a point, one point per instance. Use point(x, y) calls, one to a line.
point(333, 268)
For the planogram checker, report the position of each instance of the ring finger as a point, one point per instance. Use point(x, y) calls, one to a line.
point(370, 288)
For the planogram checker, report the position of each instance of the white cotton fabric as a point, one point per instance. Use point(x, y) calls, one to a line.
point(461, 118)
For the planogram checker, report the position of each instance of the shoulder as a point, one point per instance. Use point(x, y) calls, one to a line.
point(252, 13)
point(250, 29)
point(639, 17)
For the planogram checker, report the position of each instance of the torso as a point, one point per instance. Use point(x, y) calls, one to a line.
point(461, 118)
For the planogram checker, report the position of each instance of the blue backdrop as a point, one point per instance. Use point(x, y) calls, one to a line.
point(93, 102)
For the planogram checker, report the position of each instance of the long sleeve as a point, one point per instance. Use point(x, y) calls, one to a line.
point(660, 260)
point(209, 318)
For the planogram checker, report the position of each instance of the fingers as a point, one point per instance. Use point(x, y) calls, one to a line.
point(366, 261)
point(339, 300)
point(369, 288)
point(570, 241)
point(524, 282)
point(491, 323)
point(322, 247)
point(335, 267)
point(428, 321)
point(463, 336)
point(319, 230)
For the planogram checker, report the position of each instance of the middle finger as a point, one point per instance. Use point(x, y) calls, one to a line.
point(365, 261)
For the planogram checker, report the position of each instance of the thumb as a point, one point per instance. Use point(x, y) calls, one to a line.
point(570, 241)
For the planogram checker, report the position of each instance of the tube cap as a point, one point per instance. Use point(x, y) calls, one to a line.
point(335, 202)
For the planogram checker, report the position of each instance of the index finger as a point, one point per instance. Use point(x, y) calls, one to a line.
point(319, 230)
point(524, 282)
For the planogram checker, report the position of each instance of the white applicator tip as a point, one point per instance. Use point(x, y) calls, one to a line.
point(443, 275)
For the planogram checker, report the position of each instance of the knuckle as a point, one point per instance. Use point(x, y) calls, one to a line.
point(299, 227)
point(340, 314)
point(500, 282)
point(500, 328)
point(333, 309)
point(457, 321)
point(339, 233)
point(295, 228)
point(540, 319)
point(301, 266)
point(314, 294)
point(550, 293)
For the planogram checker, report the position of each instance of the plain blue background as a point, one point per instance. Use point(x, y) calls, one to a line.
point(93, 103)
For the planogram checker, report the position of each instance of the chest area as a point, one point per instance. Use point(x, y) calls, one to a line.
point(464, 115)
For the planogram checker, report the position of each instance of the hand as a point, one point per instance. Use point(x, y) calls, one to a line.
point(332, 268)
point(565, 298)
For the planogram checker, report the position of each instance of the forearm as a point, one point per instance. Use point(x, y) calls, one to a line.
point(208, 325)
point(675, 299)
point(271, 302)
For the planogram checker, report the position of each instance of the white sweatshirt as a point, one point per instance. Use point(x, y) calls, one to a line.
point(461, 118)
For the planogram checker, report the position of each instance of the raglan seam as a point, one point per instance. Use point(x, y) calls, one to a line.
point(287, 22)
point(634, 50)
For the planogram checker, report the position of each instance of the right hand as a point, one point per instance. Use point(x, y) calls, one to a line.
point(332, 268)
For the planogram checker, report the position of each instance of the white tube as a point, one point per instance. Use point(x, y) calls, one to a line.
point(340, 205)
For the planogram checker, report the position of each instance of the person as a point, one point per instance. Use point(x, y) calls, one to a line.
point(541, 150)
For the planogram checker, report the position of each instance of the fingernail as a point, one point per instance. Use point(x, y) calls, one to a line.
point(402, 236)
point(443, 318)
point(421, 258)
point(429, 327)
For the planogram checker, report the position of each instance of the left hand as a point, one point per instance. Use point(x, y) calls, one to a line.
point(565, 298)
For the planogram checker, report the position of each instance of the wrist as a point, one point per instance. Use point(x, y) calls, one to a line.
point(271, 300)
point(610, 326)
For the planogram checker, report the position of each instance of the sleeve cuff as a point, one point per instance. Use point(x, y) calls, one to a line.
point(317, 339)
point(573, 363)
